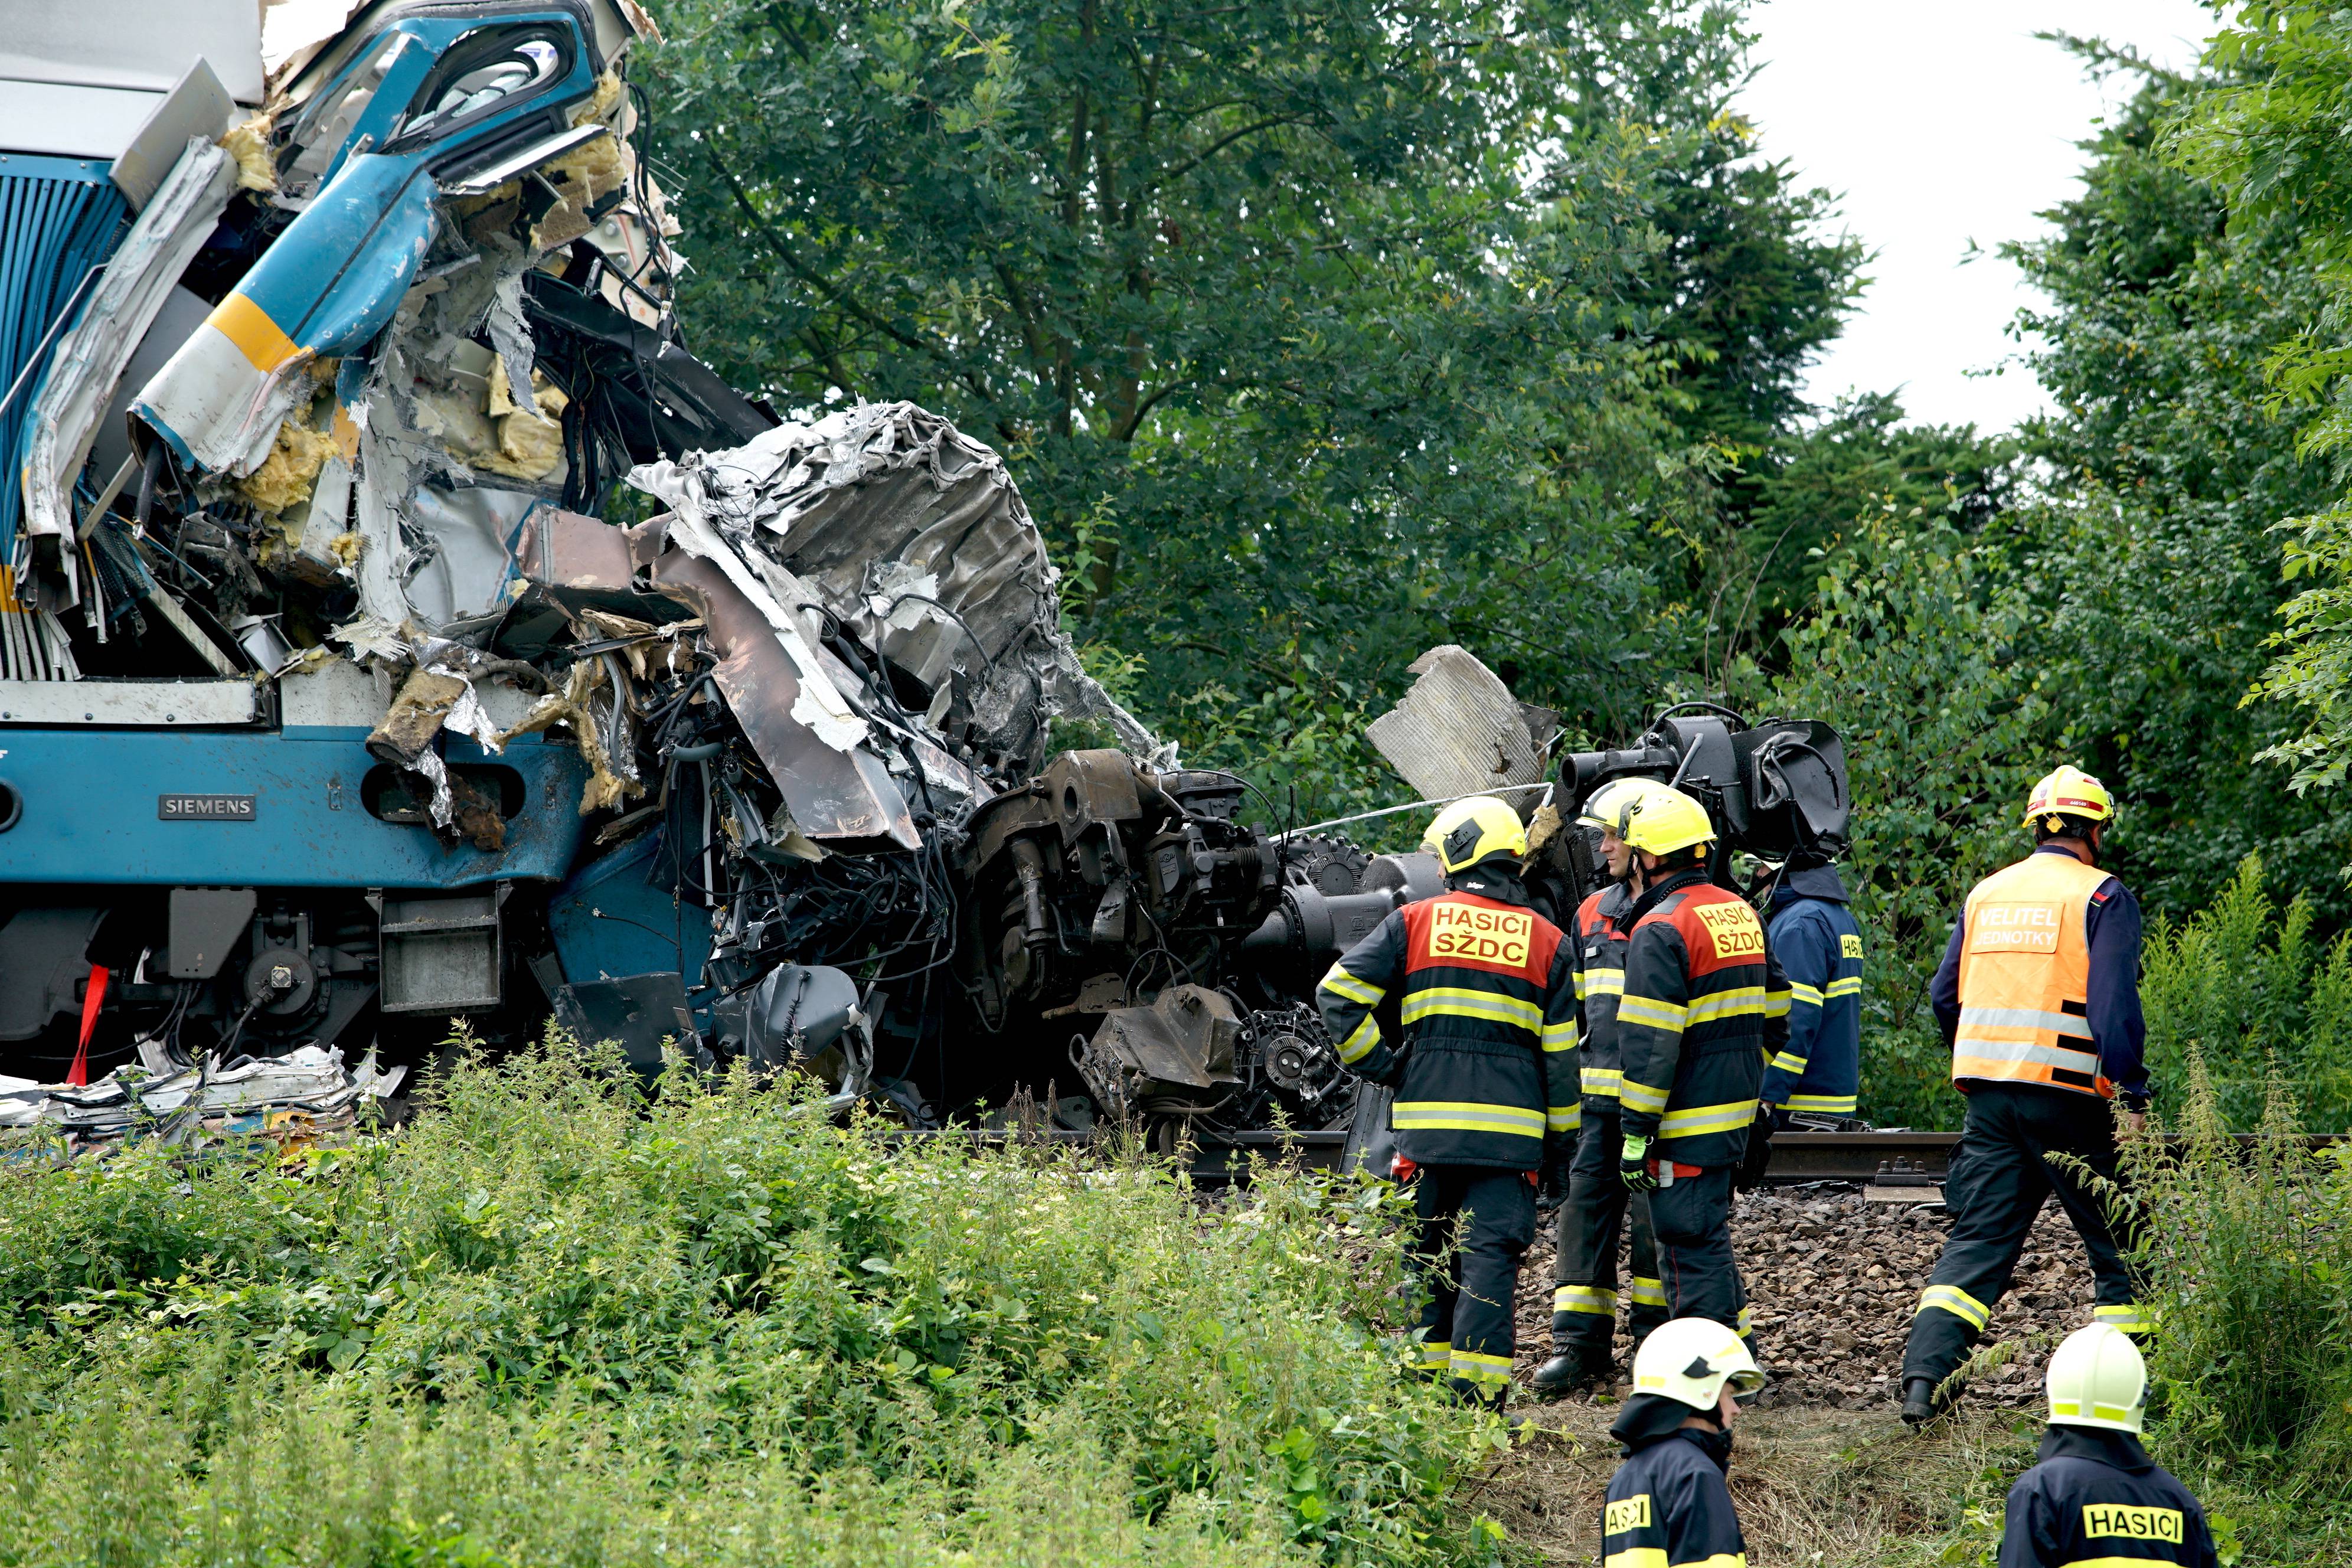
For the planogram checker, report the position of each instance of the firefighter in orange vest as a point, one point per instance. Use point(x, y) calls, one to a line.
point(1485, 1077)
point(2038, 997)
point(1704, 1007)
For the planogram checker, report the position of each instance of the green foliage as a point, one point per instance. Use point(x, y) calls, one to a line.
point(2249, 993)
point(2151, 555)
point(1319, 336)
point(556, 1323)
point(1858, 466)
point(1913, 657)
point(2251, 1250)
point(2265, 134)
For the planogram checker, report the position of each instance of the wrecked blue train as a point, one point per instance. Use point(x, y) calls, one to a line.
point(332, 707)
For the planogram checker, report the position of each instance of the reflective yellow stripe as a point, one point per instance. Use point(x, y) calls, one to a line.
point(1560, 1036)
point(1605, 981)
point(1835, 1104)
point(2113, 1561)
point(1776, 1003)
point(1339, 981)
point(1642, 1097)
point(1473, 1366)
point(1701, 1119)
point(1720, 1560)
point(1649, 1293)
point(1564, 1118)
point(1584, 1299)
point(1790, 1063)
point(1600, 1080)
point(1657, 1014)
point(1746, 1319)
point(1358, 1045)
point(2127, 1318)
point(1466, 1116)
point(1801, 992)
point(1435, 1356)
point(1738, 1002)
point(1850, 986)
point(1637, 1557)
point(1456, 1002)
point(1956, 1301)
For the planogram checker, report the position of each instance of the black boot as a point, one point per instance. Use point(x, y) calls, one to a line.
point(1572, 1370)
point(1920, 1404)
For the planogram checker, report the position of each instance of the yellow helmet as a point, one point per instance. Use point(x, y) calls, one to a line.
point(1661, 821)
point(2098, 1379)
point(1690, 1359)
point(2073, 793)
point(1605, 809)
point(1474, 831)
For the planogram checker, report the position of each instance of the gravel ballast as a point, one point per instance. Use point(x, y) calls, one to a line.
point(1833, 1280)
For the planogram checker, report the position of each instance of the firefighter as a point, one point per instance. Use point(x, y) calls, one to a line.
point(1484, 1076)
point(1704, 1008)
point(1668, 1506)
point(1813, 936)
point(2095, 1496)
point(1584, 1282)
point(2038, 998)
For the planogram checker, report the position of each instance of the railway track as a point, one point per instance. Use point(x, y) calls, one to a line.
point(1891, 1159)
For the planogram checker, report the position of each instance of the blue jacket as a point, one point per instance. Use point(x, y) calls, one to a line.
point(2117, 1028)
point(2097, 1498)
point(1814, 936)
point(1668, 1504)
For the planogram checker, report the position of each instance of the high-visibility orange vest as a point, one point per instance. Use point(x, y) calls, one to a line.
point(2025, 977)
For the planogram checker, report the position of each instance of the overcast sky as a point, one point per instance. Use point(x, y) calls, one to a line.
point(1940, 125)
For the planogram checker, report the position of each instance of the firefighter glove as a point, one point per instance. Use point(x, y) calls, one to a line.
point(1634, 1166)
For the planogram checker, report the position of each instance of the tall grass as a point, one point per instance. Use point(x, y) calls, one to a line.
point(558, 1323)
point(2250, 1245)
point(2246, 987)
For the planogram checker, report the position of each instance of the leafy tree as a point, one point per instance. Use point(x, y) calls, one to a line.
point(2169, 460)
point(1912, 654)
point(1858, 466)
point(1318, 333)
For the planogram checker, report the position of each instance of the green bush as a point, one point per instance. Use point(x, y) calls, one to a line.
point(557, 1321)
point(2250, 1247)
point(2244, 988)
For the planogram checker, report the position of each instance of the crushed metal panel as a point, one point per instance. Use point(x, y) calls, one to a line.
point(198, 108)
point(1179, 1048)
point(1458, 731)
point(914, 537)
point(89, 359)
point(833, 793)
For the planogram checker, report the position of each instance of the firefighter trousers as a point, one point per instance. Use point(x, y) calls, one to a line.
point(1475, 1225)
point(1691, 1222)
point(1584, 1279)
point(2002, 1171)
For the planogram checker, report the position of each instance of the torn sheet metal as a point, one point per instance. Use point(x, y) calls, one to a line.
point(1458, 730)
point(912, 536)
point(158, 1098)
point(833, 791)
point(89, 359)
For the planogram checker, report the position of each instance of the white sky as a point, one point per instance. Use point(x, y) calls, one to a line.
point(1940, 125)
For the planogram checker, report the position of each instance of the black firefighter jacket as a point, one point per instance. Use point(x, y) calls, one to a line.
point(1705, 1006)
point(2097, 1498)
point(1600, 942)
point(1668, 1506)
point(1487, 1066)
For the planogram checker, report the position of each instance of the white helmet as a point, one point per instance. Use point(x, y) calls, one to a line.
point(1689, 1359)
point(2098, 1379)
